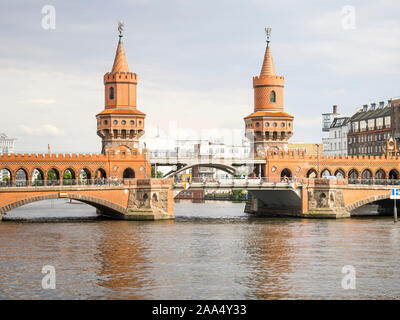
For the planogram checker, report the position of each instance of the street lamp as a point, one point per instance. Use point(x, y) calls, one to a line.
point(317, 159)
point(145, 160)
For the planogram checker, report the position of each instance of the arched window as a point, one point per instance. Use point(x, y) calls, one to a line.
point(128, 173)
point(272, 96)
point(111, 93)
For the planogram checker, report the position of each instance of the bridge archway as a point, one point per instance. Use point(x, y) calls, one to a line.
point(353, 176)
point(312, 173)
point(340, 174)
point(286, 173)
point(362, 202)
point(69, 177)
point(366, 176)
point(85, 176)
point(53, 177)
point(128, 173)
point(98, 203)
point(380, 174)
point(223, 167)
point(37, 177)
point(21, 177)
point(325, 173)
point(100, 174)
point(393, 174)
point(7, 177)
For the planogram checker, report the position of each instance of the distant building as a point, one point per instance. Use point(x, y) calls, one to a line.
point(327, 118)
point(369, 130)
point(336, 143)
point(207, 148)
point(395, 118)
point(6, 144)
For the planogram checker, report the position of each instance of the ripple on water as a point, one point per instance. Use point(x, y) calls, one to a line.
point(211, 251)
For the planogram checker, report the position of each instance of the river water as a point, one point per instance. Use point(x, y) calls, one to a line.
point(211, 251)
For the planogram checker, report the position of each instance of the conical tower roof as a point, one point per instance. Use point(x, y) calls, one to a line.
point(120, 63)
point(268, 67)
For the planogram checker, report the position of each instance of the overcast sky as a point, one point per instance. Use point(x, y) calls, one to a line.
point(195, 61)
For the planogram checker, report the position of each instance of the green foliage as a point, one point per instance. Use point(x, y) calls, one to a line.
point(67, 175)
point(51, 175)
point(153, 173)
point(237, 194)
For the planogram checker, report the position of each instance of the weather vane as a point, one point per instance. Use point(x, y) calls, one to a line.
point(120, 28)
point(268, 34)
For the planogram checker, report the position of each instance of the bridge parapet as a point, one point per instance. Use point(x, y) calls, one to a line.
point(136, 199)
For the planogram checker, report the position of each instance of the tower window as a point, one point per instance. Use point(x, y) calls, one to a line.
point(272, 96)
point(111, 93)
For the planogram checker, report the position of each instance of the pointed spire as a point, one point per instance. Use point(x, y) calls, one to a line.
point(268, 67)
point(120, 63)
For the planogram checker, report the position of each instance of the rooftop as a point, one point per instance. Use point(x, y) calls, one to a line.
point(371, 114)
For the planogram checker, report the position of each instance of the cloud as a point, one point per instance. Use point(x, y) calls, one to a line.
point(44, 130)
point(370, 48)
point(40, 101)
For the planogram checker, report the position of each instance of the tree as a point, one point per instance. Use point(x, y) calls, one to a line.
point(67, 175)
point(153, 172)
point(51, 175)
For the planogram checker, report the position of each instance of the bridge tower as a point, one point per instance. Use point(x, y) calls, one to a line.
point(268, 127)
point(120, 123)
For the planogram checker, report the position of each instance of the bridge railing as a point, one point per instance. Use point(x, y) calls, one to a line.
point(241, 181)
point(288, 180)
point(68, 182)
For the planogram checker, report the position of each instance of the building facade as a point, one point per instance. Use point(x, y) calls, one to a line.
point(395, 118)
point(369, 130)
point(327, 118)
point(6, 147)
point(336, 142)
point(6, 144)
point(268, 127)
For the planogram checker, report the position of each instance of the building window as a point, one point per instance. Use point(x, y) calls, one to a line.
point(267, 124)
point(105, 122)
point(272, 96)
point(132, 122)
point(282, 124)
point(115, 122)
point(123, 122)
point(275, 124)
point(111, 93)
point(257, 124)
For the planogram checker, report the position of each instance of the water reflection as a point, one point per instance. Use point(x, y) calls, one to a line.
point(211, 251)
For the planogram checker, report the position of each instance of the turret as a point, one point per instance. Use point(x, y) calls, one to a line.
point(268, 127)
point(120, 123)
